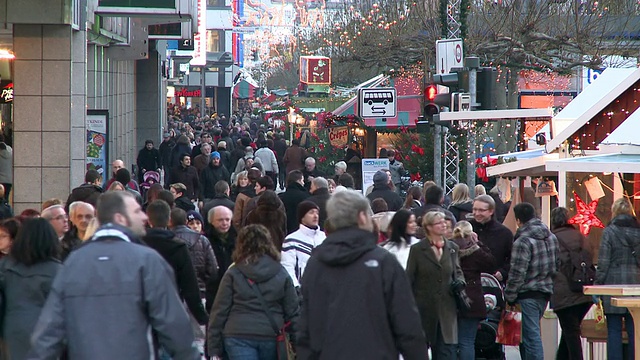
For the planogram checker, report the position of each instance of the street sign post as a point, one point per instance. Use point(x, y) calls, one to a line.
point(377, 103)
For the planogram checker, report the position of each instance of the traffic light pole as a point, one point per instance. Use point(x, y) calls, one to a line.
point(473, 63)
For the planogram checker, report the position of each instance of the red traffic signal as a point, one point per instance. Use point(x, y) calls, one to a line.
point(431, 92)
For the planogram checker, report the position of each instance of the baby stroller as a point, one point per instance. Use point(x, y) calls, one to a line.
point(149, 178)
point(486, 346)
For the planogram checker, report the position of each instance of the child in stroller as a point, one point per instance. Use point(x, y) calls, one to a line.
point(486, 346)
point(149, 178)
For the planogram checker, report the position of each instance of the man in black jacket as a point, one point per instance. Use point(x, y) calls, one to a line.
point(345, 269)
point(319, 196)
point(433, 200)
point(87, 192)
point(148, 160)
point(222, 237)
point(294, 195)
point(180, 199)
point(187, 175)
point(211, 175)
point(490, 232)
point(175, 252)
point(381, 190)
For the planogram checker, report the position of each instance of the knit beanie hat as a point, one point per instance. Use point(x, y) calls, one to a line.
point(380, 178)
point(304, 207)
point(215, 154)
point(194, 215)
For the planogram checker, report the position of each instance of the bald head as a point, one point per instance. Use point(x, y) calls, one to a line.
point(220, 218)
point(117, 165)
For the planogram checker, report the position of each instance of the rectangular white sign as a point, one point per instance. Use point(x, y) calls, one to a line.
point(449, 54)
point(200, 38)
point(377, 103)
point(369, 168)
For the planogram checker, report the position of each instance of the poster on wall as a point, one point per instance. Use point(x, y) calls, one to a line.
point(97, 142)
point(369, 168)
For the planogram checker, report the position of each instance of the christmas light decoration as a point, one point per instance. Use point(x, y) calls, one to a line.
point(586, 215)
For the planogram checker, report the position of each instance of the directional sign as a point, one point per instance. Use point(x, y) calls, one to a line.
point(377, 103)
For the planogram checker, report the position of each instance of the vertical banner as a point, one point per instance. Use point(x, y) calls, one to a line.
point(98, 142)
point(200, 38)
point(369, 168)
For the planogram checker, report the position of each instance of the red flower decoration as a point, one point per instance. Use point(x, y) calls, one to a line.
point(586, 215)
point(415, 177)
point(321, 146)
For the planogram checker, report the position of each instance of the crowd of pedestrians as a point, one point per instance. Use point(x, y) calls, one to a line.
point(246, 241)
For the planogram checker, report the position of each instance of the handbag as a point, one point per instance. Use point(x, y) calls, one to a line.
point(283, 343)
point(510, 327)
point(463, 302)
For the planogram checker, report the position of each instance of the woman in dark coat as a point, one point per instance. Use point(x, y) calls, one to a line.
point(475, 258)
point(25, 281)
point(569, 306)
point(239, 325)
point(617, 265)
point(432, 264)
point(271, 215)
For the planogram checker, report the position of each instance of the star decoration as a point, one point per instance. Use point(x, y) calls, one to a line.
point(586, 217)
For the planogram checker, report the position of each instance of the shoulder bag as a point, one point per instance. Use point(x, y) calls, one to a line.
point(283, 344)
point(463, 302)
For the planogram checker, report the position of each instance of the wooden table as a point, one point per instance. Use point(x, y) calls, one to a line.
point(629, 298)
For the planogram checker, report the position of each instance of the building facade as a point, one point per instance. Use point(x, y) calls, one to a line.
point(70, 57)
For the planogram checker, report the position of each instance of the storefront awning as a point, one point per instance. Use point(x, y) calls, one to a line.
point(616, 162)
point(527, 163)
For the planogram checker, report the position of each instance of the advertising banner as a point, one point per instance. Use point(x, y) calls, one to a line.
point(315, 70)
point(339, 136)
point(369, 168)
point(98, 141)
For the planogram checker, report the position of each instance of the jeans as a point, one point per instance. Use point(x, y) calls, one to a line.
point(570, 347)
point(614, 336)
point(442, 351)
point(250, 349)
point(467, 330)
point(532, 311)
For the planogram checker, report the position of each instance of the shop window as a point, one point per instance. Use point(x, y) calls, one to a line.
point(216, 3)
point(214, 40)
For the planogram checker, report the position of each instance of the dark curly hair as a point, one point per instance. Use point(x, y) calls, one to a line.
point(254, 241)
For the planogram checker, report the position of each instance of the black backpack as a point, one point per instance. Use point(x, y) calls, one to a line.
point(580, 271)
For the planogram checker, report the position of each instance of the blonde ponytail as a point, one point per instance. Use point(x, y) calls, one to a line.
point(463, 229)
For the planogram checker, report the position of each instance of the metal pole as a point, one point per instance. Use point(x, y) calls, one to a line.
point(472, 63)
point(437, 156)
point(203, 89)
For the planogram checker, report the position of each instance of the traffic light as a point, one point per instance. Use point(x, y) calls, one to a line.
point(487, 80)
point(457, 81)
point(430, 107)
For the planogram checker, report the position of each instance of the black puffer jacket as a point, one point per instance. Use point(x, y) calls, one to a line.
point(176, 254)
point(393, 200)
point(238, 311)
point(208, 179)
point(202, 257)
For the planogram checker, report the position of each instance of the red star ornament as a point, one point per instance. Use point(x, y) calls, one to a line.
point(586, 217)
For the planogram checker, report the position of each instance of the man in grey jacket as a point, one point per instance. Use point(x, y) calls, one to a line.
point(114, 295)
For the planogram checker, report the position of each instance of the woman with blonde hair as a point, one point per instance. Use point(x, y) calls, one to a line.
point(475, 259)
point(480, 190)
point(617, 264)
point(432, 266)
point(255, 300)
point(116, 186)
point(461, 202)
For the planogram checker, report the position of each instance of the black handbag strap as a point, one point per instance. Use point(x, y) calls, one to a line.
point(265, 308)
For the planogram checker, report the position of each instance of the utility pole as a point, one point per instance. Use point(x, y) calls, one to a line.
point(472, 63)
